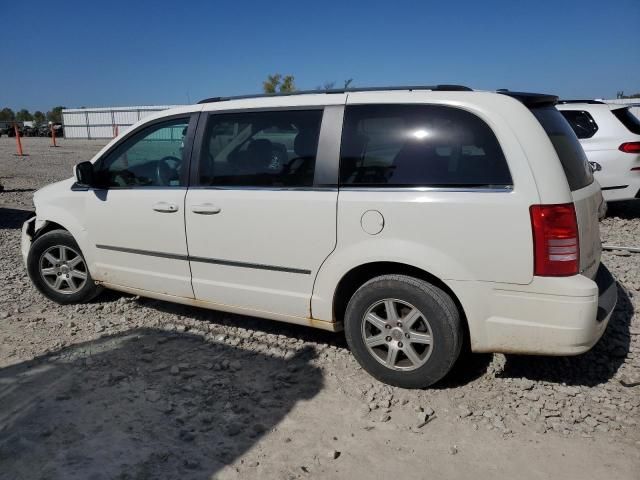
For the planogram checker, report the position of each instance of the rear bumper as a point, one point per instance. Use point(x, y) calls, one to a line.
point(550, 316)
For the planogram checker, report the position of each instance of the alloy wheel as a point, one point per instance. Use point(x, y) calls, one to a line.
point(397, 334)
point(63, 269)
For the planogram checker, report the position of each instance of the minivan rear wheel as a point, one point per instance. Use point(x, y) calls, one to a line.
point(58, 269)
point(404, 331)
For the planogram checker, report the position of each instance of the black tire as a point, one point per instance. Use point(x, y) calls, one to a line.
point(441, 320)
point(42, 244)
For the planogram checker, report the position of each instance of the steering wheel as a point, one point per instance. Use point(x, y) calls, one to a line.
point(165, 172)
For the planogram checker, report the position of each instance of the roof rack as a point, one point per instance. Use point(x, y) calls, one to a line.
point(581, 101)
point(439, 88)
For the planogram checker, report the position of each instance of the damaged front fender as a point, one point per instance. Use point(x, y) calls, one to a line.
point(28, 232)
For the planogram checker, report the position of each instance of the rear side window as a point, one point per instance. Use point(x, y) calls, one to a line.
point(419, 145)
point(564, 140)
point(581, 122)
point(260, 149)
point(628, 119)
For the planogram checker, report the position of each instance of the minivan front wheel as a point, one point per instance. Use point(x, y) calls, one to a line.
point(404, 331)
point(58, 269)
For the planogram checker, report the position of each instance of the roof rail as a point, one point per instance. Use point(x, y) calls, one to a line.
point(440, 88)
point(581, 101)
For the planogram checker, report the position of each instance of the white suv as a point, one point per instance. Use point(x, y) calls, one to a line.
point(415, 218)
point(610, 136)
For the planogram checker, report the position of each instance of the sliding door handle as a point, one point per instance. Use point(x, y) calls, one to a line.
point(165, 207)
point(206, 209)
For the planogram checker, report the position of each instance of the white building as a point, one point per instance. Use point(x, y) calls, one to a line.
point(633, 102)
point(91, 123)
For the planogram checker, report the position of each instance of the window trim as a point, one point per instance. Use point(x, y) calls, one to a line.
point(325, 176)
point(410, 188)
point(193, 120)
point(420, 187)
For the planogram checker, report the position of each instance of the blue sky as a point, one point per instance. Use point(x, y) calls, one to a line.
point(111, 53)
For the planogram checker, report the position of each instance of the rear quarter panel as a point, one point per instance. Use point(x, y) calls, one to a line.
point(453, 235)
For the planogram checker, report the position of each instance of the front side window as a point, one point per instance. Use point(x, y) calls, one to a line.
point(151, 158)
point(581, 122)
point(260, 149)
point(419, 145)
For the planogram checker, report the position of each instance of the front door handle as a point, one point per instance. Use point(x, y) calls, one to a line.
point(165, 207)
point(206, 209)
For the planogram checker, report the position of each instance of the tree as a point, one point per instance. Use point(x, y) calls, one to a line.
point(270, 85)
point(6, 114)
point(622, 95)
point(277, 83)
point(55, 115)
point(288, 85)
point(39, 118)
point(24, 115)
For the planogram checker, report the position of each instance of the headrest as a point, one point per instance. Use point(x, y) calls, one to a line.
point(353, 146)
point(261, 147)
point(260, 152)
point(306, 143)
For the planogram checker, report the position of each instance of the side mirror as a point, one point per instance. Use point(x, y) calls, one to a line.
point(84, 174)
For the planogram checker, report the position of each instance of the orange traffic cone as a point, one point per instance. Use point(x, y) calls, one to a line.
point(18, 142)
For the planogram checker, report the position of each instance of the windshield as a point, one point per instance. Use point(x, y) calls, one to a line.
point(564, 140)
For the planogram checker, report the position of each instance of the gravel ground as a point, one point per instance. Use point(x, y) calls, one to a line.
point(133, 388)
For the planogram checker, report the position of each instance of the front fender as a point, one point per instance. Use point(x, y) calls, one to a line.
point(59, 204)
point(67, 221)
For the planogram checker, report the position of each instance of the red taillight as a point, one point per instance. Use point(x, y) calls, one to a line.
point(556, 247)
point(630, 147)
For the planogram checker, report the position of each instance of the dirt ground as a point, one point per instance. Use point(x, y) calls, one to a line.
point(132, 388)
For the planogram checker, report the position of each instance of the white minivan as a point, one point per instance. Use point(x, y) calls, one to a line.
point(417, 219)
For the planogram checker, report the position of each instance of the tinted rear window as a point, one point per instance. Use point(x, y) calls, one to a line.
point(628, 119)
point(564, 140)
point(419, 145)
point(581, 122)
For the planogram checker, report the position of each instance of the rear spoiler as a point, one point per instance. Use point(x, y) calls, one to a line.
point(531, 100)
